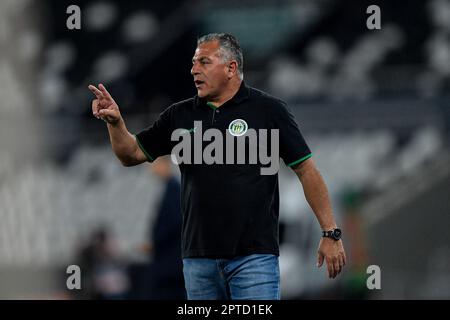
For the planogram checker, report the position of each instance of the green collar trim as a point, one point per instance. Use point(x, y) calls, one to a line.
point(209, 104)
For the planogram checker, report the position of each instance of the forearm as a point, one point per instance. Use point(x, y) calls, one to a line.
point(123, 142)
point(316, 193)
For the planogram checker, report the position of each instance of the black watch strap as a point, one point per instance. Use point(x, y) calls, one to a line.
point(327, 234)
point(333, 234)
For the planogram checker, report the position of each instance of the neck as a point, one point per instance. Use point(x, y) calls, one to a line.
point(227, 94)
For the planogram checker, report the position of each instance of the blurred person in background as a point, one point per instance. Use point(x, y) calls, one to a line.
point(230, 213)
point(104, 273)
point(165, 274)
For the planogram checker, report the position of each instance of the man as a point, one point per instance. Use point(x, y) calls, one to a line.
point(230, 211)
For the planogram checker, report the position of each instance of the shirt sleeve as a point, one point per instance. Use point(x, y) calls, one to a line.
point(154, 141)
point(293, 147)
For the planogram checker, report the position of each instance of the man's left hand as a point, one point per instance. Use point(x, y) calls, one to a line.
point(333, 253)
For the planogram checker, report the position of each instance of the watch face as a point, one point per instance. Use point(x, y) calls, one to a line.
point(337, 234)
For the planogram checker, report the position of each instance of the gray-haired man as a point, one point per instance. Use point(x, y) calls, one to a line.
point(230, 211)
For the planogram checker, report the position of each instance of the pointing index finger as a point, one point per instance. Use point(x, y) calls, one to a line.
point(95, 91)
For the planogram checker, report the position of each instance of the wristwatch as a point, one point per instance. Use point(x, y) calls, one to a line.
point(334, 234)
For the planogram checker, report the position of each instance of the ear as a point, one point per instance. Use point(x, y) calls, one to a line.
point(232, 68)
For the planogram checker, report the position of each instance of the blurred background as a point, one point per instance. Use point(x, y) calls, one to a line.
point(372, 104)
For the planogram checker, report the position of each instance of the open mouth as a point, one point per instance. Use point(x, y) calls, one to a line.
point(198, 83)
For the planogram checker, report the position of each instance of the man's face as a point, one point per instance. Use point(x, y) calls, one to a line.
point(210, 73)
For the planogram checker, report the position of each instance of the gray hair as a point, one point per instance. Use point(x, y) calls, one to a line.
point(229, 49)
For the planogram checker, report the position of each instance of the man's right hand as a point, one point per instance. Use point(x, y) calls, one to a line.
point(104, 107)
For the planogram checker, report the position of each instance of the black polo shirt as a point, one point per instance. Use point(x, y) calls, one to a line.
point(228, 209)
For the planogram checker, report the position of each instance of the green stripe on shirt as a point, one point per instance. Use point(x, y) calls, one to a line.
point(149, 158)
point(299, 160)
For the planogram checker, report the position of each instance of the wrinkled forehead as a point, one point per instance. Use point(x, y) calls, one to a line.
point(208, 49)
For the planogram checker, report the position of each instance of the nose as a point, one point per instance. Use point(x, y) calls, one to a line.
point(194, 70)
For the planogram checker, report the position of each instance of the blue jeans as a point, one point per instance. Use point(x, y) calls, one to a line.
point(252, 277)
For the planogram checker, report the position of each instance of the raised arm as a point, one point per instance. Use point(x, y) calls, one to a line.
point(123, 143)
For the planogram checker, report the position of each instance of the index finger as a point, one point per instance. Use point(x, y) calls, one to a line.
point(95, 91)
point(344, 258)
point(330, 268)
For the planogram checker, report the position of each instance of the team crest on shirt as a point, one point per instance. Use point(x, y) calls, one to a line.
point(238, 127)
